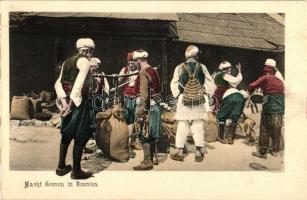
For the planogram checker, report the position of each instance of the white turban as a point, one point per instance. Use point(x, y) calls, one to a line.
point(224, 65)
point(270, 62)
point(191, 51)
point(85, 43)
point(95, 61)
point(139, 54)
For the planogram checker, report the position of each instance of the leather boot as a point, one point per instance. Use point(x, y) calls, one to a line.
point(221, 138)
point(77, 172)
point(146, 164)
point(63, 169)
point(153, 153)
point(232, 133)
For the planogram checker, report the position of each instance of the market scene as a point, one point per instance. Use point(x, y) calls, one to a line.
point(146, 92)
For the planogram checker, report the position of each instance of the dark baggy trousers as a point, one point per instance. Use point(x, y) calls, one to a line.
point(270, 126)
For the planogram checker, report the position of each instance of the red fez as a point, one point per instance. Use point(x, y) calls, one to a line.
point(130, 56)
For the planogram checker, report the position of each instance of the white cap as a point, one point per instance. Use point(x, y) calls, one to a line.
point(139, 54)
point(270, 62)
point(85, 43)
point(95, 61)
point(191, 51)
point(224, 65)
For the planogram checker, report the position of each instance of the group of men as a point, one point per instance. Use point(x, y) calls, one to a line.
point(192, 85)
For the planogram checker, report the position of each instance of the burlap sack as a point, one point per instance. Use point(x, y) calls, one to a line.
point(36, 104)
point(21, 108)
point(211, 128)
point(168, 117)
point(112, 138)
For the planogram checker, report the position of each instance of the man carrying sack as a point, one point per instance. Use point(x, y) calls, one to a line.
point(190, 81)
point(273, 108)
point(72, 90)
point(148, 85)
point(232, 100)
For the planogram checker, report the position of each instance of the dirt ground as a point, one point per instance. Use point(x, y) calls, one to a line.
point(36, 149)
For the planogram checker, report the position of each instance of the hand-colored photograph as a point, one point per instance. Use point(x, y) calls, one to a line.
point(96, 92)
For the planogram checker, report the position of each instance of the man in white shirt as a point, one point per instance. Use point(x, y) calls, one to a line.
point(191, 118)
point(72, 91)
point(230, 99)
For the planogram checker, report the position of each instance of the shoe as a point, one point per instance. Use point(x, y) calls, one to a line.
point(144, 165)
point(63, 171)
point(231, 134)
point(153, 153)
point(177, 157)
point(80, 175)
point(199, 158)
point(77, 172)
point(230, 141)
point(223, 141)
point(259, 155)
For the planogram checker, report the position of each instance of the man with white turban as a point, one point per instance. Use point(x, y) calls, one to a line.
point(191, 117)
point(230, 99)
point(72, 90)
point(273, 108)
point(148, 87)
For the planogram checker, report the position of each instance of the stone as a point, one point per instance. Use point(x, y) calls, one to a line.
point(27, 123)
point(39, 123)
point(14, 123)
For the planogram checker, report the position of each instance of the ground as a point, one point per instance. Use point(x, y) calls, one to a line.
point(36, 148)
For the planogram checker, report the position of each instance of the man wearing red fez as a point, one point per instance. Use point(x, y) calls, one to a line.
point(130, 95)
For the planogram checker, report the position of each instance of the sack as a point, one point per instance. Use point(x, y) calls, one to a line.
point(211, 128)
point(112, 138)
point(168, 117)
point(21, 108)
point(193, 90)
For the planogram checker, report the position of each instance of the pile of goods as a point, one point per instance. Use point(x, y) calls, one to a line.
point(32, 106)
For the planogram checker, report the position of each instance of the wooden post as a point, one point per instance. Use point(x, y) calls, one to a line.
point(164, 80)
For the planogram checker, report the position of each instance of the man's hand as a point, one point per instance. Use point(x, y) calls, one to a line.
point(239, 67)
point(66, 110)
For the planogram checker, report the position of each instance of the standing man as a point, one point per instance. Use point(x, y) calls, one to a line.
point(130, 95)
point(148, 85)
point(72, 90)
point(191, 105)
point(100, 85)
point(232, 100)
point(272, 85)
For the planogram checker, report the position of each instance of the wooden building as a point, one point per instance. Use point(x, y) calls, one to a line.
point(40, 42)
